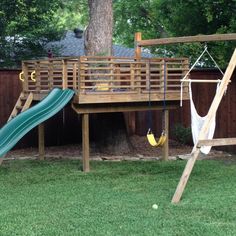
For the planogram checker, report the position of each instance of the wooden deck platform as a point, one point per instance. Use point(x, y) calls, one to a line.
point(99, 80)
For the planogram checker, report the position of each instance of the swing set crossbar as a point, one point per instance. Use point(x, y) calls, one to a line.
point(187, 39)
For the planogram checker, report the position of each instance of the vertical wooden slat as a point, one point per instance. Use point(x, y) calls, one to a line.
point(138, 77)
point(132, 75)
point(74, 75)
point(186, 68)
point(81, 72)
point(162, 75)
point(64, 75)
point(38, 76)
point(50, 74)
point(148, 73)
point(85, 142)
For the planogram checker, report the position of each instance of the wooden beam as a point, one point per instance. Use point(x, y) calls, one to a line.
point(186, 39)
point(41, 141)
point(217, 142)
point(85, 142)
point(202, 135)
point(165, 148)
point(104, 108)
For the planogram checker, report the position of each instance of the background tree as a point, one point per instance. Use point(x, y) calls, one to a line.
point(172, 18)
point(108, 130)
point(27, 26)
point(98, 34)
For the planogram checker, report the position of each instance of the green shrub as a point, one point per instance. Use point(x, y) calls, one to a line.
point(182, 134)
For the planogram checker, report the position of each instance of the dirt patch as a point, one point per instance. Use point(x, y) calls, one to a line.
point(139, 150)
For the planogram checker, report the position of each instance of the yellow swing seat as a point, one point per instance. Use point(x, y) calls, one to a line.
point(152, 140)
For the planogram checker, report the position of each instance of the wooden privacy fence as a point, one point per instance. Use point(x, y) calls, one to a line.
point(105, 74)
point(10, 88)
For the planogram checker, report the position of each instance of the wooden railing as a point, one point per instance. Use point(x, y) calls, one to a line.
point(61, 73)
point(105, 74)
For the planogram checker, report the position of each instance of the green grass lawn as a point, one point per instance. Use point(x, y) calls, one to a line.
point(116, 198)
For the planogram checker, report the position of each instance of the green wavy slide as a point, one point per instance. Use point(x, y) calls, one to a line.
point(17, 127)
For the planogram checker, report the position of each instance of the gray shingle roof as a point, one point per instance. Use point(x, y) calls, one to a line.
point(70, 46)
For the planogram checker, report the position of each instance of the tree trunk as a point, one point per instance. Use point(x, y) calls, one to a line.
point(107, 130)
point(98, 35)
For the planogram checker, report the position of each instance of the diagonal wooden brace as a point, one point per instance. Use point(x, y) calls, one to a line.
point(202, 135)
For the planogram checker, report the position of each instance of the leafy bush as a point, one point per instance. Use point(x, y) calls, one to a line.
point(182, 134)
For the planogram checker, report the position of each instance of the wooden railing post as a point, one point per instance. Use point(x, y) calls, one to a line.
point(50, 74)
point(25, 83)
point(148, 75)
point(37, 76)
point(132, 76)
point(186, 69)
point(64, 74)
point(162, 76)
point(81, 80)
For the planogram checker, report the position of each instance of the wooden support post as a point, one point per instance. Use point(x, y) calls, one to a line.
point(202, 135)
point(165, 148)
point(85, 142)
point(138, 50)
point(41, 142)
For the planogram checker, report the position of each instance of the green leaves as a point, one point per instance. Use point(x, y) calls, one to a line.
point(25, 28)
point(171, 18)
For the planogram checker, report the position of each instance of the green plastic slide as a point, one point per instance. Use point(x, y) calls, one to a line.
point(16, 128)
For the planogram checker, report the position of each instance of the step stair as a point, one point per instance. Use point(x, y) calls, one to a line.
point(23, 103)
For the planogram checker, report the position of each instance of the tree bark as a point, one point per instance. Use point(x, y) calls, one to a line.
point(98, 35)
point(107, 130)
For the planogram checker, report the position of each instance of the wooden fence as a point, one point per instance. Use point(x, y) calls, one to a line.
point(10, 88)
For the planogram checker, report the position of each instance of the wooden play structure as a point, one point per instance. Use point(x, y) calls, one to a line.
point(104, 84)
point(202, 141)
point(112, 84)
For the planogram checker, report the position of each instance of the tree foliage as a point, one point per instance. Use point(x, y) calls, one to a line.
point(26, 26)
point(172, 18)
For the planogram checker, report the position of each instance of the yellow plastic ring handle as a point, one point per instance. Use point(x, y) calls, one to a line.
point(21, 76)
point(32, 76)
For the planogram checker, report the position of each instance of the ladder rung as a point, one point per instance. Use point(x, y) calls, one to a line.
point(19, 107)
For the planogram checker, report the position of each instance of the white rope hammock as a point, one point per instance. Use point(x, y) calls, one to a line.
point(196, 120)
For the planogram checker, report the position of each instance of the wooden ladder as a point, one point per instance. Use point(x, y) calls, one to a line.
point(23, 103)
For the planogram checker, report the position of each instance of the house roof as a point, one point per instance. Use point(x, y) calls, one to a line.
point(71, 46)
